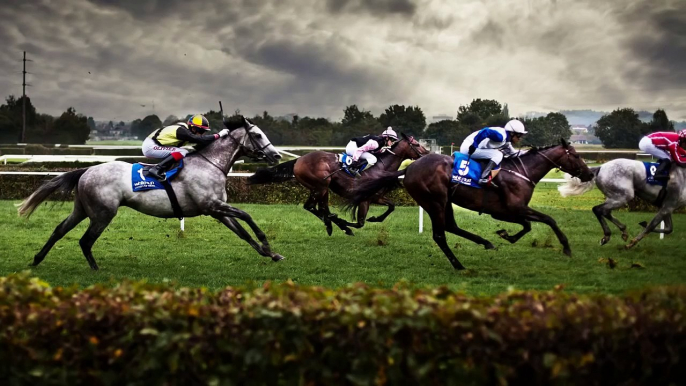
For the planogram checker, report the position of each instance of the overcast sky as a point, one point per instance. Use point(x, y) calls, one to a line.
point(106, 58)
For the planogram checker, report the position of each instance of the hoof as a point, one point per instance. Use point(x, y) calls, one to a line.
point(643, 224)
point(567, 252)
point(604, 240)
point(276, 257)
point(502, 233)
point(489, 246)
point(631, 244)
point(349, 232)
point(94, 267)
point(329, 229)
point(625, 236)
point(373, 219)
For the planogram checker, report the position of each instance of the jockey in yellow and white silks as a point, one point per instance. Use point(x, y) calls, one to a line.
point(492, 143)
point(168, 142)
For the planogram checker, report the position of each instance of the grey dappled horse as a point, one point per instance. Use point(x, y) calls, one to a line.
point(200, 188)
point(622, 179)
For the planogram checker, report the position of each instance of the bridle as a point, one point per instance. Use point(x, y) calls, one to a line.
point(255, 153)
point(412, 146)
point(559, 167)
point(525, 176)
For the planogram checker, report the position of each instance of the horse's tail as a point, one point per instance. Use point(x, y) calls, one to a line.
point(63, 184)
point(574, 186)
point(279, 173)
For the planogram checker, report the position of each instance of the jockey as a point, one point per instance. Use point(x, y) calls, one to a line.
point(167, 142)
point(491, 143)
point(360, 148)
point(666, 146)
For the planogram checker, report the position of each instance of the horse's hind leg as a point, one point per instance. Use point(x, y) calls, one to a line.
point(311, 206)
point(76, 216)
point(97, 226)
point(329, 217)
point(389, 210)
point(526, 227)
point(604, 211)
point(451, 226)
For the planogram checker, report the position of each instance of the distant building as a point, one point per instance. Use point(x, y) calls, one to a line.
point(584, 139)
point(438, 118)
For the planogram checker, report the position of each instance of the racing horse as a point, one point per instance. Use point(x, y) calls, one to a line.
point(428, 181)
point(320, 171)
point(200, 187)
point(620, 180)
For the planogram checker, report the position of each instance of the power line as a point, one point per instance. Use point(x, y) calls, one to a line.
point(23, 97)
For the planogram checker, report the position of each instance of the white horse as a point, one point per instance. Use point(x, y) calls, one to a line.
point(621, 180)
point(200, 188)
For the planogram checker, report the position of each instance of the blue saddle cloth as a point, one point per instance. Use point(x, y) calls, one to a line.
point(140, 181)
point(650, 174)
point(346, 161)
point(466, 171)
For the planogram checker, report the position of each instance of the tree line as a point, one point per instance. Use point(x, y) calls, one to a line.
point(68, 128)
point(622, 128)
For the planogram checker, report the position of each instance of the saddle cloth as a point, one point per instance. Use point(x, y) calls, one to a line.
point(466, 171)
point(650, 174)
point(140, 180)
point(346, 161)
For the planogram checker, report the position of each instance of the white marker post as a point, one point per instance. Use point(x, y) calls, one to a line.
point(421, 220)
point(662, 227)
point(182, 224)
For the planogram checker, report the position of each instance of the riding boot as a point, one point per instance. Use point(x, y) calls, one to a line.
point(662, 171)
point(159, 171)
point(486, 173)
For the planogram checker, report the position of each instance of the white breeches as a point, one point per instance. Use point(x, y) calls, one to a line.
point(646, 145)
point(153, 150)
point(494, 155)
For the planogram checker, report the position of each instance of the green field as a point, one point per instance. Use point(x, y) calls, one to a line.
point(207, 254)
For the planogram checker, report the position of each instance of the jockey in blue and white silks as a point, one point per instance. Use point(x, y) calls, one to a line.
point(492, 143)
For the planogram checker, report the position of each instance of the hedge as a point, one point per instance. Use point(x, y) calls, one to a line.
point(138, 333)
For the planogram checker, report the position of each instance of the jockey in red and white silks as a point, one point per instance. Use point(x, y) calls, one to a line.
point(666, 146)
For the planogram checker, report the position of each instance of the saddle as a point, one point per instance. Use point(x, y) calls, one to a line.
point(140, 181)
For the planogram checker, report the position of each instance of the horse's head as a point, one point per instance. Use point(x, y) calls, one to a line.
point(408, 147)
point(252, 141)
point(570, 162)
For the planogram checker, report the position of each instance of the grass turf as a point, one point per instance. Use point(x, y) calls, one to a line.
point(141, 247)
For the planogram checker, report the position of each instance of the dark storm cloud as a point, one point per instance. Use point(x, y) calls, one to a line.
point(378, 8)
point(313, 57)
point(661, 44)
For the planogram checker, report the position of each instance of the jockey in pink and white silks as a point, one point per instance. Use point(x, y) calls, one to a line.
point(492, 143)
point(361, 148)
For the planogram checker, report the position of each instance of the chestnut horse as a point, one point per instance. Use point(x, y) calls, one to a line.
point(320, 171)
point(428, 182)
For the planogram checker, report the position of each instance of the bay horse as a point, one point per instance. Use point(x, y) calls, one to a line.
point(428, 181)
point(620, 180)
point(200, 188)
point(320, 171)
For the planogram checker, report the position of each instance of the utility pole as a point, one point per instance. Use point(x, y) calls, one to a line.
point(23, 100)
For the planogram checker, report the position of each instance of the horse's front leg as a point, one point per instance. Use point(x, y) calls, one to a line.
point(663, 214)
point(526, 227)
point(389, 210)
point(533, 215)
point(226, 214)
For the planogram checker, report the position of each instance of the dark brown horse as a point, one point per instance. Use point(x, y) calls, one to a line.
point(428, 182)
point(320, 171)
